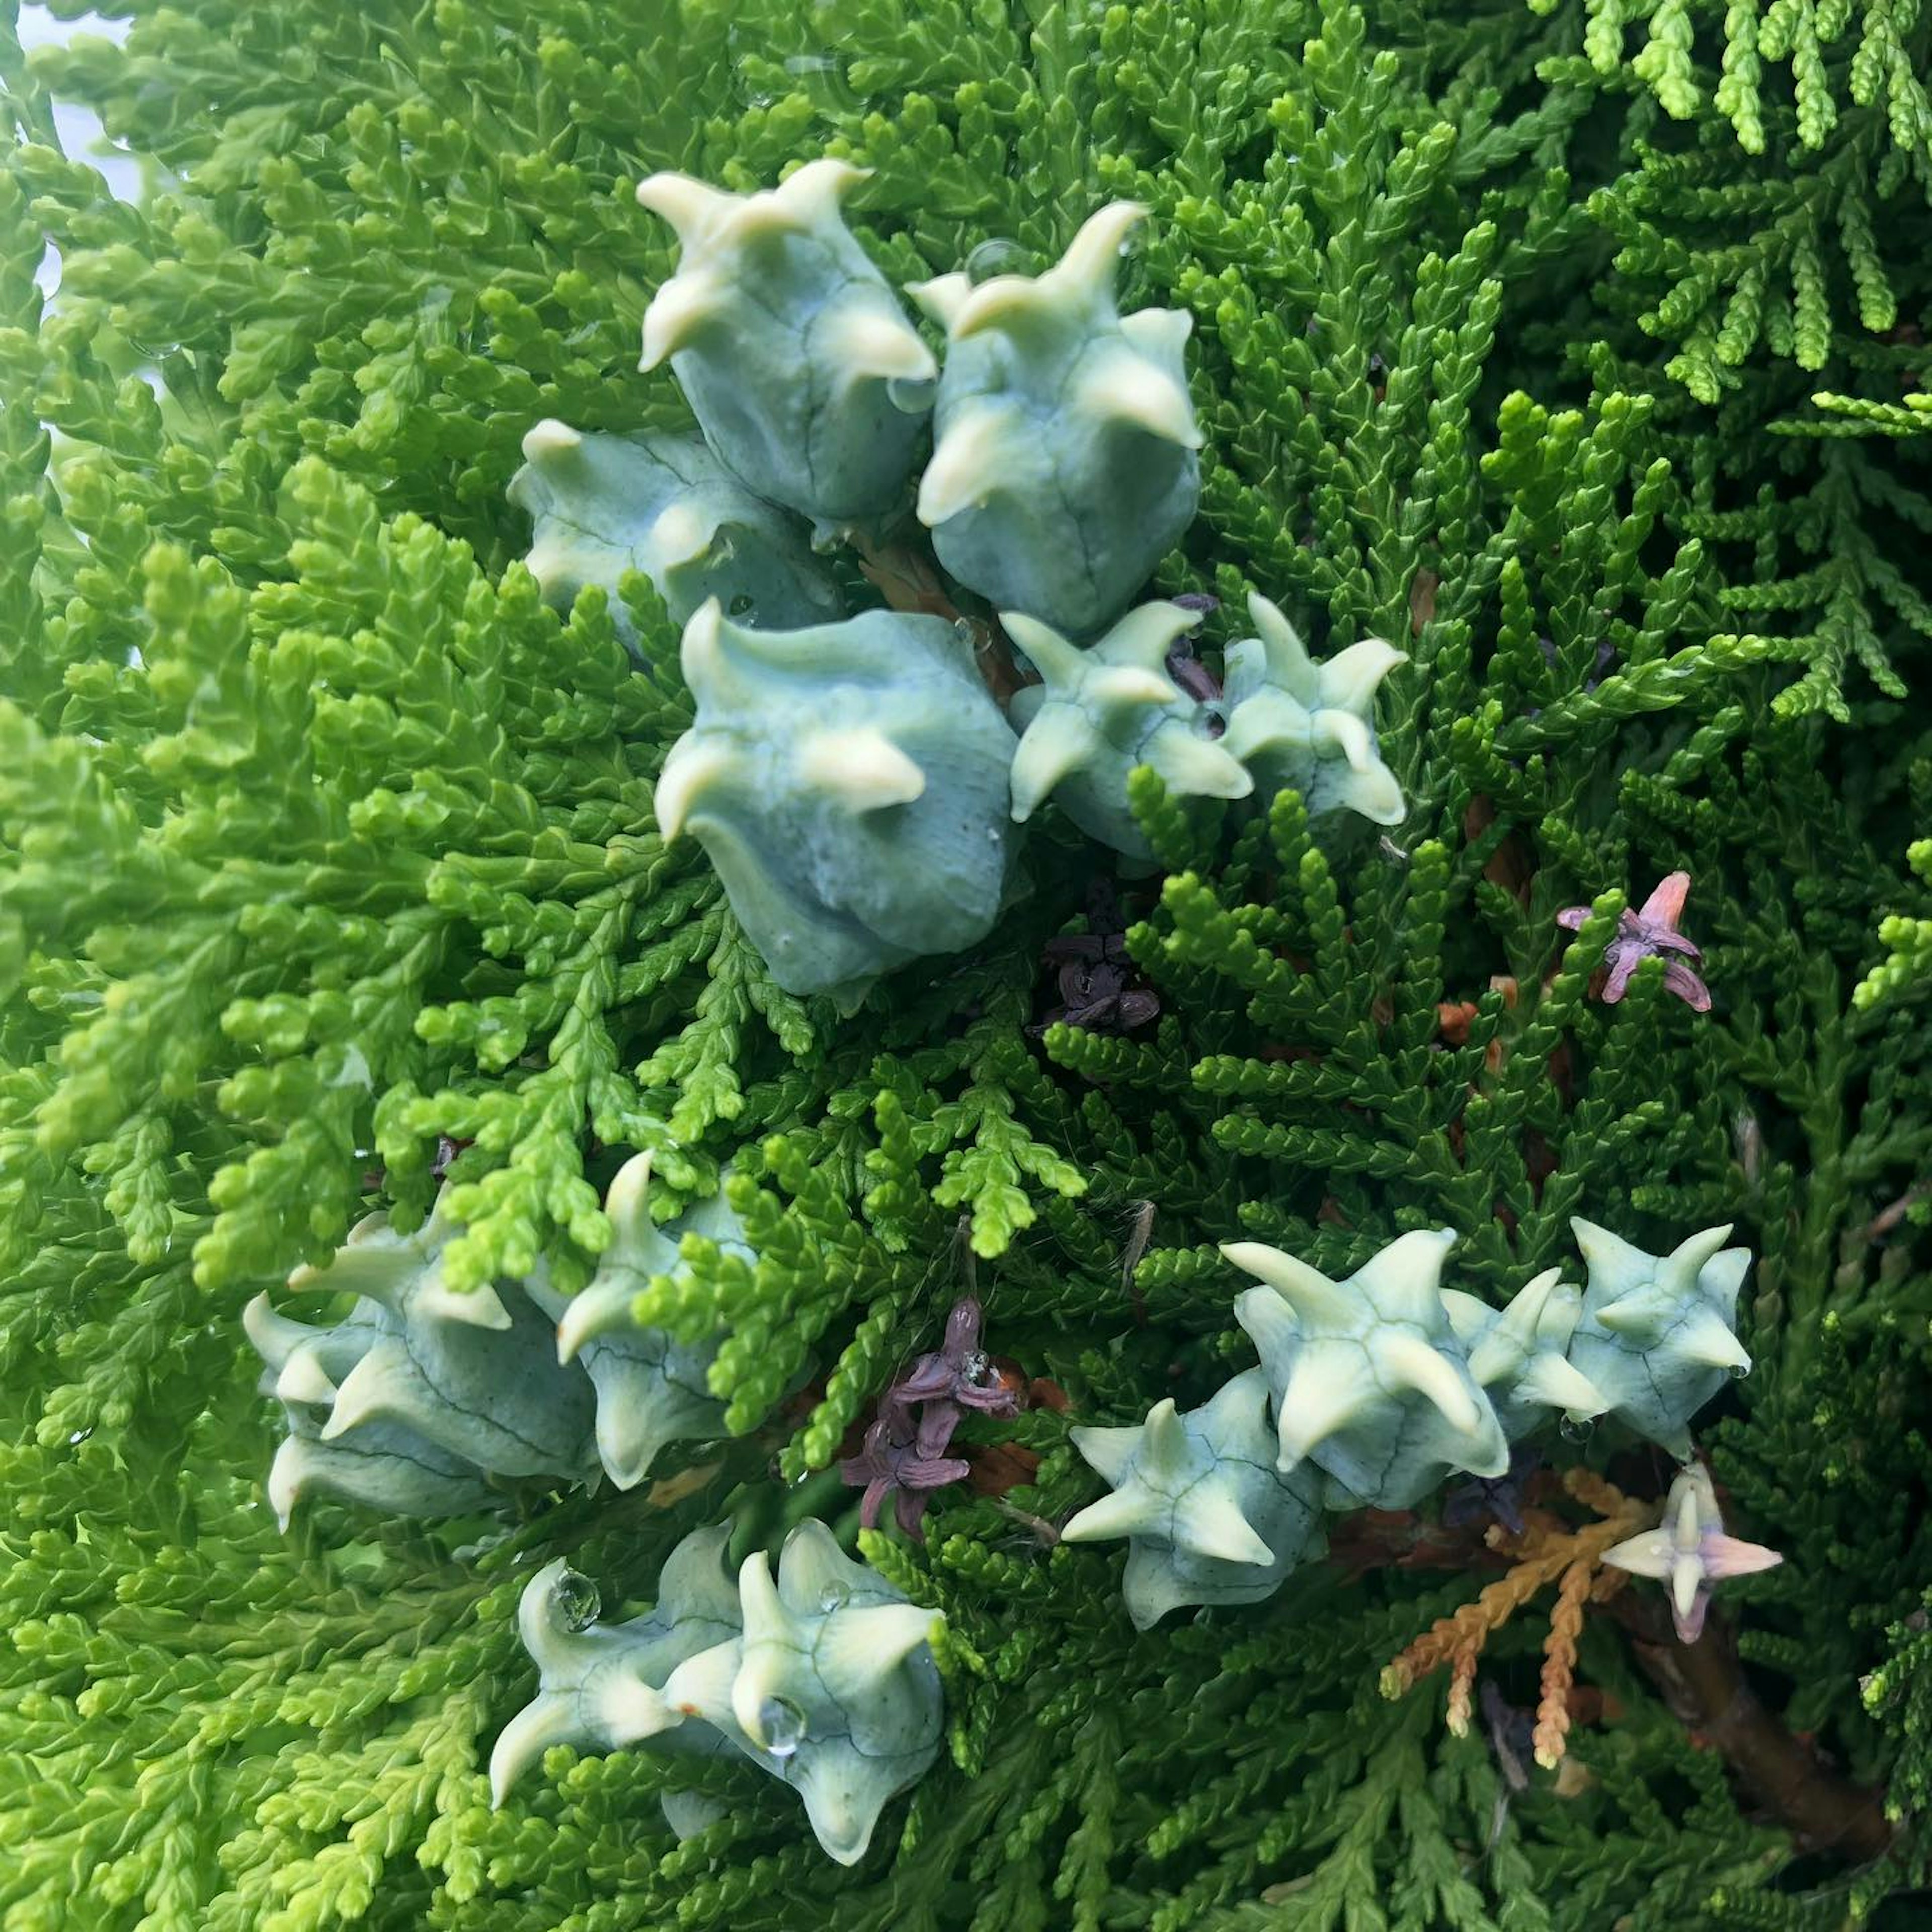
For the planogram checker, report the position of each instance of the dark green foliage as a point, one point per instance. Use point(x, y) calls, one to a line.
point(322, 837)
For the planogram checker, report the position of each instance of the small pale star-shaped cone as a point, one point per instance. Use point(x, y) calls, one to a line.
point(1063, 463)
point(1294, 722)
point(600, 1685)
point(601, 505)
point(850, 783)
point(1208, 1517)
point(807, 380)
point(1100, 711)
point(1517, 1353)
point(651, 1390)
point(1689, 1552)
point(1370, 1381)
point(422, 1395)
point(832, 1687)
point(1650, 932)
point(1657, 1334)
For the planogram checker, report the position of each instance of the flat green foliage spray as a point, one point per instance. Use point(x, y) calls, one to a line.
point(1575, 350)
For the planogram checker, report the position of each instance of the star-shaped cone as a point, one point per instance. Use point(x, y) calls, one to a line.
point(903, 1456)
point(417, 1398)
point(1369, 1380)
point(1063, 464)
point(807, 379)
point(1311, 727)
point(651, 1389)
point(849, 783)
point(1060, 305)
point(831, 1687)
point(1101, 712)
point(600, 505)
point(1650, 933)
point(1657, 1335)
point(1208, 1517)
point(475, 1374)
point(600, 1686)
point(382, 1466)
point(1517, 1352)
point(1689, 1551)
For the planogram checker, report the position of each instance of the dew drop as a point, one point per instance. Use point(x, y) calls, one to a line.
point(911, 395)
point(997, 256)
point(1573, 1431)
point(833, 1597)
point(740, 604)
point(576, 1600)
point(821, 76)
point(783, 1724)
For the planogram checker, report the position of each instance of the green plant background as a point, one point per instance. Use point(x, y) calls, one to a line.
point(322, 837)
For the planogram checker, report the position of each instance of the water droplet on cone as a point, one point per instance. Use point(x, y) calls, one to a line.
point(577, 1603)
point(783, 1723)
point(996, 255)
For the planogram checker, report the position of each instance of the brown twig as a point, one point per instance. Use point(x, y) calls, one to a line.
point(1400, 1540)
point(1548, 1548)
point(1887, 1219)
point(1463, 1688)
point(908, 582)
point(1704, 1685)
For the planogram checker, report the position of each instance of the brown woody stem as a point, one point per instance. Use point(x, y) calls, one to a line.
point(908, 581)
point(1703, 1683)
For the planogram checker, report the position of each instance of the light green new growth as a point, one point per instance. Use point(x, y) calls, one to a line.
point(329, 861)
